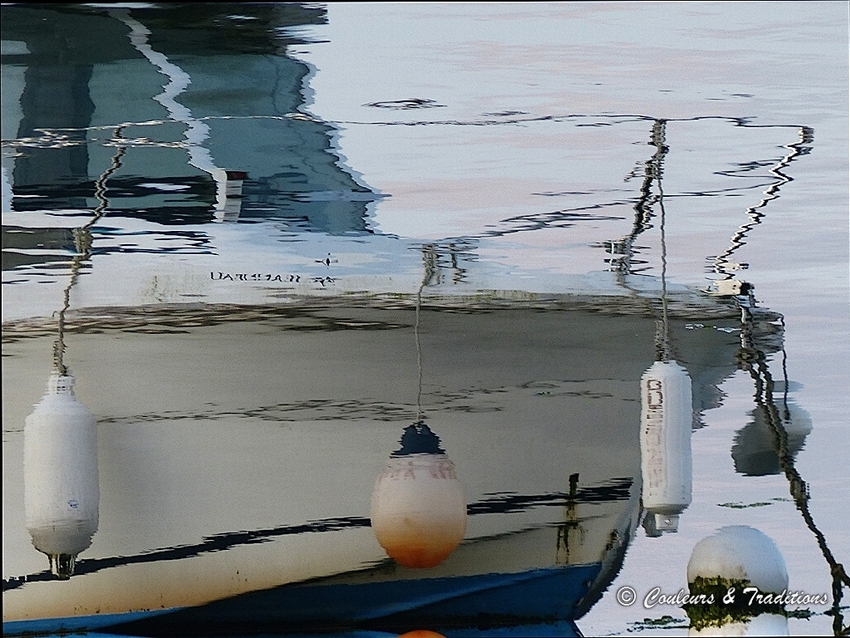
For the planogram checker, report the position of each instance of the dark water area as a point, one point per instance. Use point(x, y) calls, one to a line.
point(423, 319)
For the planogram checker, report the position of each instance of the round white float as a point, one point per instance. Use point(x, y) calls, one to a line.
point(740, 553)
point(754, 450)
point(418, 507)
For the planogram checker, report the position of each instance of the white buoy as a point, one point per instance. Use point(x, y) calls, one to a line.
point(665, 444)
point(61, 491)
point(738, 581)
point(739, 553)
point(418, 507)
point(755, 449)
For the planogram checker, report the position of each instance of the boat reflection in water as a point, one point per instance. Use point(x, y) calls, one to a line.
point(242, 412)
point(236, 495)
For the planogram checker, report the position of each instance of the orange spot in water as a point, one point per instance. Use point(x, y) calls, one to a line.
point(421, 633)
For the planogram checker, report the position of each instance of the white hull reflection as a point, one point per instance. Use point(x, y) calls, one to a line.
point(238, 449)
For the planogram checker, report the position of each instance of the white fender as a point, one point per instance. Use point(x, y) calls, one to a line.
point(665, 443)
point(61, 491)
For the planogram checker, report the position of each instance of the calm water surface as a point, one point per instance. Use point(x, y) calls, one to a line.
point(265, 239)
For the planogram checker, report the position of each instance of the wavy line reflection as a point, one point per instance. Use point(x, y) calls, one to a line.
point(610, 491)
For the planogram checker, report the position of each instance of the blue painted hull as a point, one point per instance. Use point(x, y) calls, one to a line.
point(540, 601)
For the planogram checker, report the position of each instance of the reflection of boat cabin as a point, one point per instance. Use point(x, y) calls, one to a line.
point(293, 175)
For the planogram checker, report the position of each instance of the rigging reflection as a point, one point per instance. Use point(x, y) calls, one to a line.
point(787, 427)
point(739, 555)
point(622, 260)
point(727, 284)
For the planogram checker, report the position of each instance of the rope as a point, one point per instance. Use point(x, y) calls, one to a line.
point(658, 140)
point(755, 363)
point(83, 243)
point(429, 260)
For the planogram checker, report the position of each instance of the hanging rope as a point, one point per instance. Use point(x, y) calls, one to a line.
point(429, 260)
point(654, 173)
point(652, 170)
point(658, 139)
point(83, 244)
